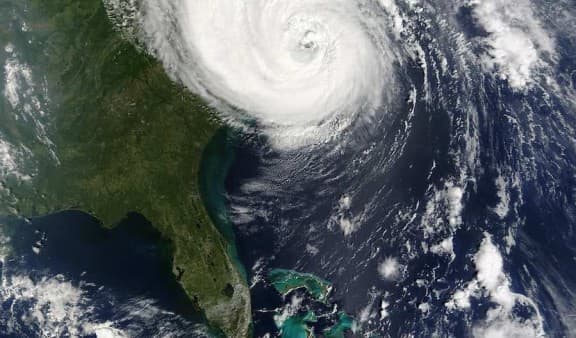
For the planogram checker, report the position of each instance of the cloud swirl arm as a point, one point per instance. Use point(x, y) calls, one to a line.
point(286, 64)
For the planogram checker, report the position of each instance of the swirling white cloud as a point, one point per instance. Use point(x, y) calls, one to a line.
point(285, 63)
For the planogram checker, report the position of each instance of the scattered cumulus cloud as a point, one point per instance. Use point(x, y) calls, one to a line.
point(390, 269)
point(492, 282)
point(516, 40)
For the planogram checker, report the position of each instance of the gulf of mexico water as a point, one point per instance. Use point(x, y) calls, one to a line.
point(64, 274)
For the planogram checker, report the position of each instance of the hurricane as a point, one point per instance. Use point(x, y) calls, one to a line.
point(418, 155)
point(309, 67)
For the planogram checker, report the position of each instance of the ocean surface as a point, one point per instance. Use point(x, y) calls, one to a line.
point(432, 183)
point(65, 274)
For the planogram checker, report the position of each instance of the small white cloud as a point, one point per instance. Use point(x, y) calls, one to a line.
point(454, 196)
point(345, 202)
point(424, 308)
point(343, 218)
point(503, 206)
point(389, 269)
point(9, 48)
point(346, 225)
point(461, 298)
point(311, 249)
point(445, 247)
point(489, 265)
point(384, 309)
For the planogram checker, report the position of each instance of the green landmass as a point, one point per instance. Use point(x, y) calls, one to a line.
point(126, 138)
point(286, 281)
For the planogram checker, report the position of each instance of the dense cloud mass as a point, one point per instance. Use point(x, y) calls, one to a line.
point(307, 67)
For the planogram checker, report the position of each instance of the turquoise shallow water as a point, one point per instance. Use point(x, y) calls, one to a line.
point(285, 281)
point(217, 160)
point(295, 327)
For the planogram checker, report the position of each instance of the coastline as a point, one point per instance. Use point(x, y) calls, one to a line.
point(215, 163)
point(123, 137)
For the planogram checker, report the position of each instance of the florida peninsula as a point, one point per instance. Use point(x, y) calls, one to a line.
point(124, 138)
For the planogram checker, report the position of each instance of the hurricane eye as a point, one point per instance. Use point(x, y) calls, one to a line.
point(305, 45)
point(308, 42)
point(295, 66)
point(308, 45)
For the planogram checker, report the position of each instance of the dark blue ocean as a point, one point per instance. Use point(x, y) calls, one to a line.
point(450, 211)
point(66, 275)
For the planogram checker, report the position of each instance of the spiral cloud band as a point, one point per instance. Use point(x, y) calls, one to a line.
point(287, 63)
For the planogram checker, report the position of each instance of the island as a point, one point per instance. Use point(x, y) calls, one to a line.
point(286, 281)
point(300, 324)
point(122, 137)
